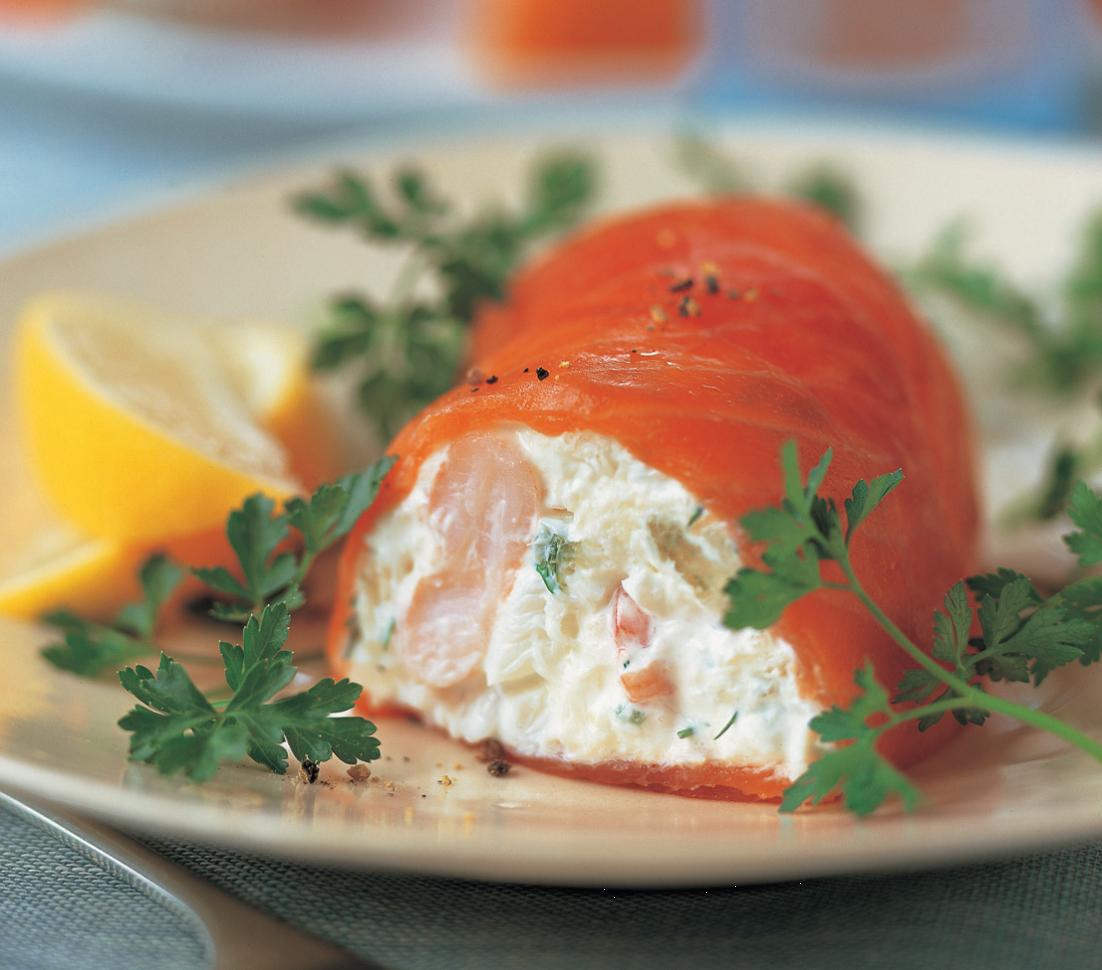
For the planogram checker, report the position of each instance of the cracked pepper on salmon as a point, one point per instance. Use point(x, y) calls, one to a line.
point(546, 561)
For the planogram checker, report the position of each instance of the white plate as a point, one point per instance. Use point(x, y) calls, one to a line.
point(239, 251)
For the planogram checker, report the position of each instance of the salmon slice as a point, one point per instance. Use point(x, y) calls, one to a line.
point(794, 335)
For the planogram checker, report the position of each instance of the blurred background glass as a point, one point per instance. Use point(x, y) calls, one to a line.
point(104, 102)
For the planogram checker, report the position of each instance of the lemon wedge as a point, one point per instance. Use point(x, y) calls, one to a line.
point(135, 427)
point(91, 576)
point(43, 563)
point(269, 366)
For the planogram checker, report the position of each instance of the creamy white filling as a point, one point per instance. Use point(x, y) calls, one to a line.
point(549, 683)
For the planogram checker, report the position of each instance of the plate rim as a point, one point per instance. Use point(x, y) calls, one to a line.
point(502, 860)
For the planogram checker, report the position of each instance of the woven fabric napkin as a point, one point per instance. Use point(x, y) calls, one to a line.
point(63, 910)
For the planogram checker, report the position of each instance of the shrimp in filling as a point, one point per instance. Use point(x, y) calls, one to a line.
point(559, 595)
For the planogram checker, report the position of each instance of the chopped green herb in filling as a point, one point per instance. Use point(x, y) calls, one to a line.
point(686, 732)
point(727, 727)
point(631, 714)
point(553, 554)
point(388, 634)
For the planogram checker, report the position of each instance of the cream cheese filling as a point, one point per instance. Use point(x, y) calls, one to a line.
point(549, 684)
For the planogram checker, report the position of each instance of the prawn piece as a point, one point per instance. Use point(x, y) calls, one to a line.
point(483, 506)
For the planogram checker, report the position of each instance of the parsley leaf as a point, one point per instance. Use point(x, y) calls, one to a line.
point(176, 729)
point(331, 512)
point(1023, 637)
point(1065, 345)
point(798, 534)
point(952, 627)
point(993, 584)
point(977, 286)
point(1085, 510)
point(159, 576)
point(88, 648)
point(406, 349)
point(865, 777)
point(715, 172)
point(1082, 602)
point(758, 599)
point(866, 497)
point(254, 532)
point(257, 534)
point(828, 187)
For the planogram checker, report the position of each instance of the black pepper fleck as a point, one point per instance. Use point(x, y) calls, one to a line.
point(688, 307)
point(492, 379)
point(499, 768)
point(310, 770)
point(542, 373)
point(681, 285)
point(526, 370)
point(474, 390)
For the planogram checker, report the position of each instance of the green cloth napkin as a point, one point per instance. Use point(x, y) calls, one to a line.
point(63, 910)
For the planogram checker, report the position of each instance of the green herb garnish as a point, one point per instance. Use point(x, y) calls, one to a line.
point(1064, 346)
point(686, 732)
point(408, 347)
point(712, 169)
point(630, 714)
point(176, 727)
point(831, 189)
point(1062, 340)
point(89, 648)
point(727, 727)
point(389, 635)
point(717, 173)
point(257, 535)
point(552, 553)
point(1024, 634)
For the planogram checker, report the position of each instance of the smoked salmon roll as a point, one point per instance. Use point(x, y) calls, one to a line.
point(545, 563)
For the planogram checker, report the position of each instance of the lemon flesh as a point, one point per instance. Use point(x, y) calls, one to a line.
point(135, 429)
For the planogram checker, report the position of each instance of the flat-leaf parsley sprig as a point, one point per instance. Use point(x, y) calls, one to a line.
point(178, 728)
point(1024, 635)
point(269, 572)
point(1061, 337)
point(407, 348)
point(821, 183)
point(88, 648)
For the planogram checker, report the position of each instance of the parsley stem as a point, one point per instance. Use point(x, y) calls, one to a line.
point(968, 696)
point(924, 710)
point(960, 686)
point(1039, 719)
point(304, 566)
point(413, 266)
